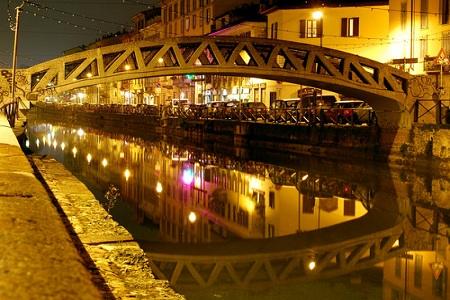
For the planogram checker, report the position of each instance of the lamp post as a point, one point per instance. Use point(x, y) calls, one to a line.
point(14, 58)
point(318, 16)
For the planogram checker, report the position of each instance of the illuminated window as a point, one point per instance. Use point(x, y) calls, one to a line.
point(310, 28)
point(350, 27)
point(187, 23)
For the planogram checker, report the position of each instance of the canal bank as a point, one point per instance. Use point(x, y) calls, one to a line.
point(424, 146)
point(38, 258)
point(58, 242)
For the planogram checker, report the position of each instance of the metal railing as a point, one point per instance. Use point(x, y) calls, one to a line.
point(291, 116)
point(309, 116)
point(11, 110)
point(431, 111)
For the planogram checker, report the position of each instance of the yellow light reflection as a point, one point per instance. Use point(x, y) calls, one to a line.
point(63, 146)
point(122, 155)
point(159, 187)
point(89, 158)
point(38, 142)
point(250, 205)
point(127, 174)
point(104, 162)
point(311, 265)
point(74, 151)
point(197, 182)
point(192, 217)
point(80, 132)
point(55, 144)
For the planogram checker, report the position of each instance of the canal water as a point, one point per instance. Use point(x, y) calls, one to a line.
point(258, 225)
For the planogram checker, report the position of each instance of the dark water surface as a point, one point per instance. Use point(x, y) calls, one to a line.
point(264, 225)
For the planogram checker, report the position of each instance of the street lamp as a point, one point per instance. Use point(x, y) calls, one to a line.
point(14, 63)
point(318, 16)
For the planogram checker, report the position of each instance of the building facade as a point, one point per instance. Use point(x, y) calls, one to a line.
point(343, 25)
point(194, 17)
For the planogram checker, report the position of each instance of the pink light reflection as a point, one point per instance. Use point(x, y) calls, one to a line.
point(188, 176)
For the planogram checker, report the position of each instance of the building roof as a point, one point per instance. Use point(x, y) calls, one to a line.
point(273, 5)
point(149, 13)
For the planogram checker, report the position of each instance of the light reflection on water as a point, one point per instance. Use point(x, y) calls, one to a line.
point(192, 197)
point(226, 199)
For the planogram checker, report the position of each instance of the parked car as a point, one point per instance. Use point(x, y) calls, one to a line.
point(322, 101)
point(352, 112)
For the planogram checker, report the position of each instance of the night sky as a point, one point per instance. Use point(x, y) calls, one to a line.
point(46, 33)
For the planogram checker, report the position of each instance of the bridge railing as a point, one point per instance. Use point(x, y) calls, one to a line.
point(309, 116)
point(291, 116)
point(10, 109)
point(432, 111)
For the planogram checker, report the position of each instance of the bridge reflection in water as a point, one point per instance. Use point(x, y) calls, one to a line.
point(227, 221)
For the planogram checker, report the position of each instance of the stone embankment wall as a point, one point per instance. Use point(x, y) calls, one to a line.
point(423, 145)
point(118, 258)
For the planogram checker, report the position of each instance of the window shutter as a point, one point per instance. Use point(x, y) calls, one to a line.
point(344, 27)
point(320, 28)
point(302, 29)
point(356, 27)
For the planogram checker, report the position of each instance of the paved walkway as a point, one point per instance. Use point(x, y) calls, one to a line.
point(38, 259)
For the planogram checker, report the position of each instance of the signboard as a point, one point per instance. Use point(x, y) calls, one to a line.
point(401, 61)
point(437, 268)
point(442, 58)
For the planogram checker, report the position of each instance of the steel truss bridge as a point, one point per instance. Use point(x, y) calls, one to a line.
point(384, 88)
point(336, 250)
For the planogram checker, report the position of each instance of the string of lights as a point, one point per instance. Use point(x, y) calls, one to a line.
point(73, 14)
point(59, 21)
point(148, 5)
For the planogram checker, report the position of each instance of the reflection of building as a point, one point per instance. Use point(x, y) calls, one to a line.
point(418, 274)
point(251, 201)
point(421, 273)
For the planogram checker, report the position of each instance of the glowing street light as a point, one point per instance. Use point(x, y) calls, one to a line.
point(318, 16)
